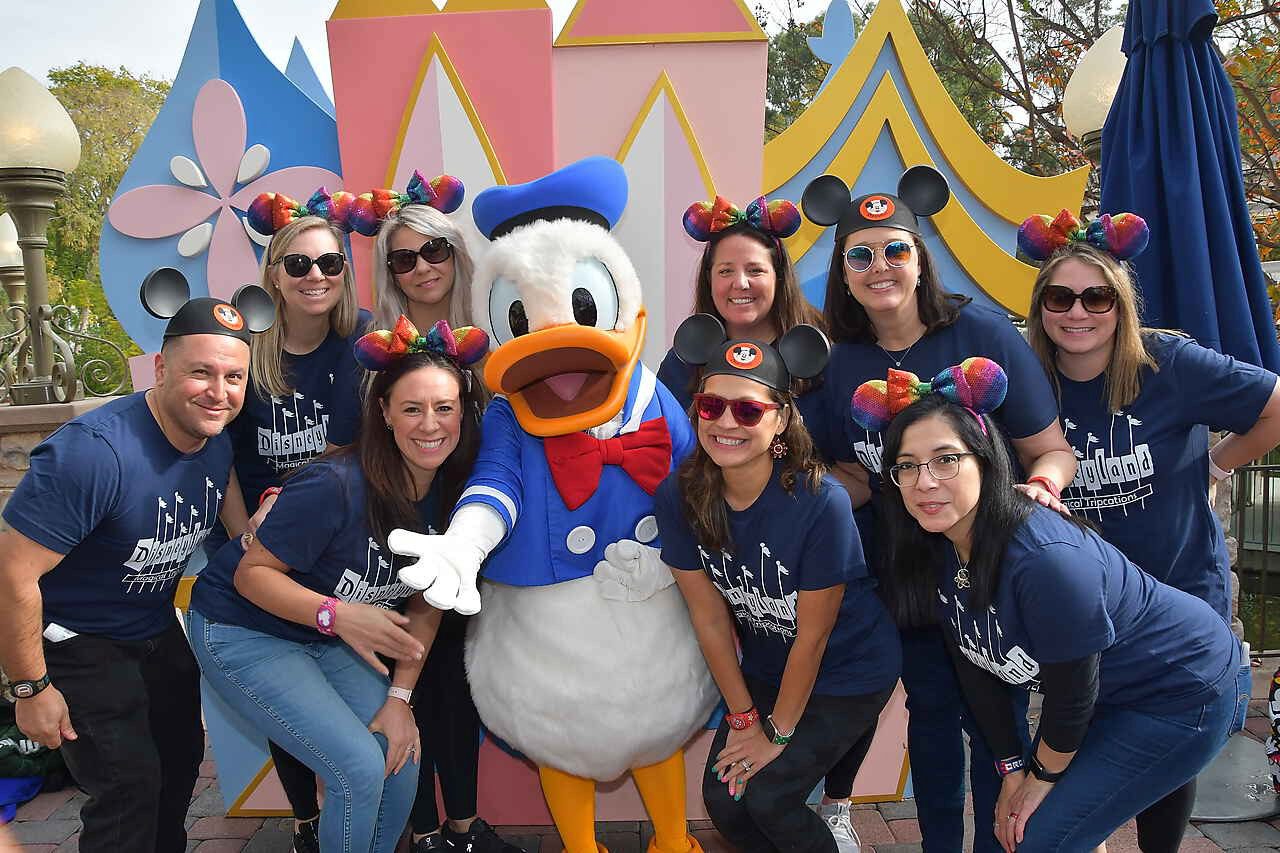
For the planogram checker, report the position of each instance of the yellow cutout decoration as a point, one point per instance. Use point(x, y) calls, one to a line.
point(661, 85)
point(1010, 193)
point(237, 808)
point(436, 50)
point(1001, 276)
point(347, 9)
point(568, 39)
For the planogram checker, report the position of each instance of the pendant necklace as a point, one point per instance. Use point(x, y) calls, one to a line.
point(897, 362)
point(962, 574)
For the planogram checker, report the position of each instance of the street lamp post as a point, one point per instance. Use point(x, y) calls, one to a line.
point(13, 279)
point(39, 144)
point(1091, 89)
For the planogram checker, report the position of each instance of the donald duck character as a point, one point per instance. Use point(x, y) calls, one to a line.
point(583, 656)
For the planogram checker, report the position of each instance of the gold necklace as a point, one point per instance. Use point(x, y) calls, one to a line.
point(962, 574)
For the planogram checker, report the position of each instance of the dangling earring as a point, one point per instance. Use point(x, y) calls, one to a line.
point(389, 427)
point(779, 447)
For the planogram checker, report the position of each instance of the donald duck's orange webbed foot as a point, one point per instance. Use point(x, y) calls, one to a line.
point(662, 787)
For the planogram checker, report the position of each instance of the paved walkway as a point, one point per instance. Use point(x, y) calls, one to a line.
point(51, 822)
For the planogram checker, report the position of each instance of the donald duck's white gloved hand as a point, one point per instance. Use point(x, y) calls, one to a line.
point(631, 571)
point(449, 563)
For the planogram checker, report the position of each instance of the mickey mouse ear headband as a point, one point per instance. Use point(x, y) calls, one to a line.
point(1123, 235)
point(978, 384)
point(164, 294)
point(380, 349)
point(922, 191)
point(801, 353)
point(703, 220)
point(369, 210)
point(270, 212)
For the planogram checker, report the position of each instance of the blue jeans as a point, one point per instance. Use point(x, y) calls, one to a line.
point(1129, 759)
point(938, 714)
point(316, 700)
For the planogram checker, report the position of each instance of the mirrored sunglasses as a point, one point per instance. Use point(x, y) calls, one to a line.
point(746, 413)
point(897, 253)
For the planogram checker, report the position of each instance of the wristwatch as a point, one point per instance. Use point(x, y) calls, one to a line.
point(326, 616)
point(1038, 770)
point(775, 735)
point(1005, 766)
point(27, 689)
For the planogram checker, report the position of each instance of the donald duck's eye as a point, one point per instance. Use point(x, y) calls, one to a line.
point(595, 296)
point(516, 317)
point(507, 317)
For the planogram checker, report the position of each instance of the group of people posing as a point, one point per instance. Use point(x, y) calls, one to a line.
point(899, 487)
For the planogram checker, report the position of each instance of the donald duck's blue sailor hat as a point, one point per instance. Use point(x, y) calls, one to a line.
point(592, 190)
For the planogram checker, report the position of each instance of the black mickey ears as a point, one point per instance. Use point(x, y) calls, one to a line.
point(698, 339)
point(924, 189)
point(825, 200)
point(165, 295)
point(805, 351)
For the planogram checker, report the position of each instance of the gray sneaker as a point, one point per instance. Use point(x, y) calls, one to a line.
point(838, 821)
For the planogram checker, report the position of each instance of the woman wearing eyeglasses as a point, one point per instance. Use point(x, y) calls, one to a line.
point(886, 309)
point(305, 395)
point(1137, 406)
point(764, 550)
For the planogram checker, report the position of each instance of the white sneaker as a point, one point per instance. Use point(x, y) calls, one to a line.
point(838, 821)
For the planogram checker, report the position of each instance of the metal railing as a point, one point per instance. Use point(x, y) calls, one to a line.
point(1255, 525)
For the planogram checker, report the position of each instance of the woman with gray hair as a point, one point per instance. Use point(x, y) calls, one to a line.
point(422, 269)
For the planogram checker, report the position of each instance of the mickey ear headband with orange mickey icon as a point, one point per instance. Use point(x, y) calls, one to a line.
point(704, 220)
point(801, 353)
point(165, 296)
point(1122, 235)
point(977, 384)
point(364, 213)
point(922, 191)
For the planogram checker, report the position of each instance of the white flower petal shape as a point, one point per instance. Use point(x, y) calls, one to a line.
point(195, 240)
point(253, 163)
point(262, 240)
point(187, 172)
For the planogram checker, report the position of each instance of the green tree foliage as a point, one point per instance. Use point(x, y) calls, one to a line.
point(113, 111)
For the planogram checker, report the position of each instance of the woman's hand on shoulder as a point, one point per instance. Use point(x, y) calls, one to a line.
point(395, 721)
point(1042, 496)
point(373, 631)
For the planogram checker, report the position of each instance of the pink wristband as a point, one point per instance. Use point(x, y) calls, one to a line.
point(1049, 486)
point(327, 616)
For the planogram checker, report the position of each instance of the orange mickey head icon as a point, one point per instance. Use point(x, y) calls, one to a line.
point(743, 355)
point(228, 316)
point(877, 207)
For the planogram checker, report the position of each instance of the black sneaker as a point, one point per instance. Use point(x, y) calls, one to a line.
point(434, 841)
point(480, 838)
point(306, 838)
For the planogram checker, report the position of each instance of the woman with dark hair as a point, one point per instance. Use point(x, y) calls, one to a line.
point(288, 626)
point(765, 552)
point(745, 278)
point(1137, 406)
point(1138, 678)
point(886, 310)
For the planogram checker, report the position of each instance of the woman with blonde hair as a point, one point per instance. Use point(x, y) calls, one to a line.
point(1137, 405)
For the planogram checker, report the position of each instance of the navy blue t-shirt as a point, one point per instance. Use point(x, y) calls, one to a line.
point(1028, 408)
point(784, 543)
point(1066, 593)
point(317, 528)
point(678, 377)
point(274, 435)
point(1144, 472)
point(127, 509)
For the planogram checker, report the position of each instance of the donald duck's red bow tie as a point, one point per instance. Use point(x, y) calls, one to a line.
point(577, 460)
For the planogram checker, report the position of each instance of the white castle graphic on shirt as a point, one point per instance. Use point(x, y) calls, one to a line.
point(378, 584)
point(1109, 476)
point(982, 642)
point(752, 593)
point(180, 528)
point(298, 431)
point(870, 452)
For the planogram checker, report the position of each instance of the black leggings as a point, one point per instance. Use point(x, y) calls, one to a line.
point(772, 814)
point(449, 727)
point(1162, 824)
point(298, 781)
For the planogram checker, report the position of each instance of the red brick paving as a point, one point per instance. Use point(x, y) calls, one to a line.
point(224, 827)
point(906, 830)
point(44, 805)
point(871, 827)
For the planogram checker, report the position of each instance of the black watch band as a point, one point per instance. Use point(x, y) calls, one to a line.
point(27, 689)
point(1039, 771)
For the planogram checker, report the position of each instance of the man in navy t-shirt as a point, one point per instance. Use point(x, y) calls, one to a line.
point(102, 525)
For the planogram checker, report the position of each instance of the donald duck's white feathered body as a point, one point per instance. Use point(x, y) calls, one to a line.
point(582, 655)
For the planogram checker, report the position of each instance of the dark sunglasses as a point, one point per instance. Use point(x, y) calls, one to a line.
point(1060, 299)
point(897, 253)
point(434, 251)
point(330, 263)
point(747, 413)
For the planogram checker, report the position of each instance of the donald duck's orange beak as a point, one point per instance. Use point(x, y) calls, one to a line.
point(566, 378)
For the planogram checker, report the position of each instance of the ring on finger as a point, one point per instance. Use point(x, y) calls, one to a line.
point(746, 765)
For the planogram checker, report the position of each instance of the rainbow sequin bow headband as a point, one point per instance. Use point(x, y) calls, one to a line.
point(380, 349)
point(371, 209)
point(978, 384)
point(778, 218)
point(1123, 235)
point(270, 212)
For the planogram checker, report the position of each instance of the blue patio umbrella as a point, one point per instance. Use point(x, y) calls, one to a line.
point(1171, 153)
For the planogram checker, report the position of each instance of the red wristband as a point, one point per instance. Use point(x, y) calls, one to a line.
point(1049, 486)
point(743, 721)
point(266, 493)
